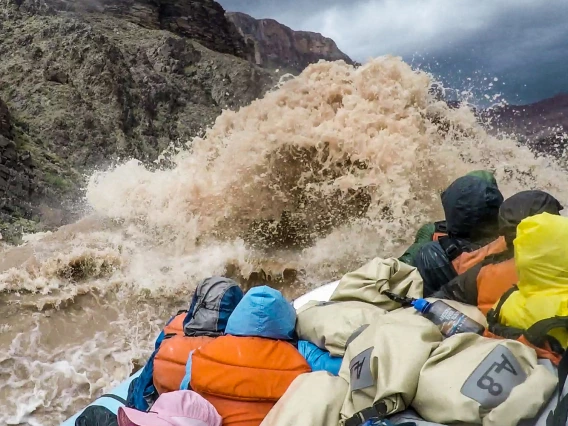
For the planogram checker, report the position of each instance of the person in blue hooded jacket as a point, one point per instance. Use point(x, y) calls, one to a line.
point(265, 310)
point(246, 371)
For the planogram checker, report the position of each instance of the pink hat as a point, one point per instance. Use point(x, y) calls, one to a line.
point(179, 408)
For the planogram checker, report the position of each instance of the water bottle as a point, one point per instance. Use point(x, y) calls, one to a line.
point(450, 321)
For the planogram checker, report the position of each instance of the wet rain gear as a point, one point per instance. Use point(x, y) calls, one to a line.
point(471, 206)
point(432, 231)
point(245, 372)
point(486, 282)
point(263, 312)
point(541, 250)
point(212, 303)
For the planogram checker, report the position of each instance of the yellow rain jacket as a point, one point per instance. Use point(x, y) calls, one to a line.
point(541, 257)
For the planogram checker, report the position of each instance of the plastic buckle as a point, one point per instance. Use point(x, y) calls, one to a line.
point(452, 251)
point(371, 416)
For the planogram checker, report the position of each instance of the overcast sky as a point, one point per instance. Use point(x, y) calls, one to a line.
point(468, 43)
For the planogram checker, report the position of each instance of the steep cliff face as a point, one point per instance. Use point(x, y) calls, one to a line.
point(543, 125)
point(17, 180)
point(201, 20)
point(277, 46)
point(540, 119)
point(84, 88)
point(5, 121)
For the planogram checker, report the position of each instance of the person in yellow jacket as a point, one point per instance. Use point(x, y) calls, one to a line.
point(541, 295)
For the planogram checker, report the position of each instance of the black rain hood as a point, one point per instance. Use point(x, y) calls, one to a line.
point(471, 206)
point(522, 205)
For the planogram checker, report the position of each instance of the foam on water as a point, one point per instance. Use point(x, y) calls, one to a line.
point(330, 169)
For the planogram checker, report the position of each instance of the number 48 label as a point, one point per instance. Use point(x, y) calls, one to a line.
point(493, 380)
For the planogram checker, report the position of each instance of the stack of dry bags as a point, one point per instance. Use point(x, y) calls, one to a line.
point(398, 365)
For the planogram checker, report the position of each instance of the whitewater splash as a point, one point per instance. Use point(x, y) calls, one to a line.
point(331, 169)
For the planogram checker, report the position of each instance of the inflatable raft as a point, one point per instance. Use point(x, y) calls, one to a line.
point(116, 398)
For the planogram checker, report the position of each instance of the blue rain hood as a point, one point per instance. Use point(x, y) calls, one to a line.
point(263, 312)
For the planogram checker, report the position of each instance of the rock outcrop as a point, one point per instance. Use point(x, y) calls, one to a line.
point(94, 87)
point(277, 46)
point(201, 20)
point(17, 180)
point(87, 83)
point(543, 125)
point(538, 120)
point(5, 120)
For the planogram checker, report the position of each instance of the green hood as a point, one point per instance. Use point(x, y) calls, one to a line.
point(486, 175)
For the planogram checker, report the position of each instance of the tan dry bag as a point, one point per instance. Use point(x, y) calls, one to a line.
point(330, 325)
point(476, 380)
point(312, 399)
point(367, 283)
point(382, 366)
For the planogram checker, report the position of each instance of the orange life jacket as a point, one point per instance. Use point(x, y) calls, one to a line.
point(493, 281)
point(436, 236)
point(243, 377)
point(171, 359)
point(175, 326)
point(466, 260)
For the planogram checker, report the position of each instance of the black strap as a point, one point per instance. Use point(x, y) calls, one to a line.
point(493, 314)
point(562, 373)
point(451, 247)
point(506, 331)
point(496, 258)
point(538, 332)
point(169, 335)
point(116, 397)
point(377, 411)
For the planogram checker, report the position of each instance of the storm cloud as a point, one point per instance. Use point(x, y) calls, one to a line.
point(517, 48)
